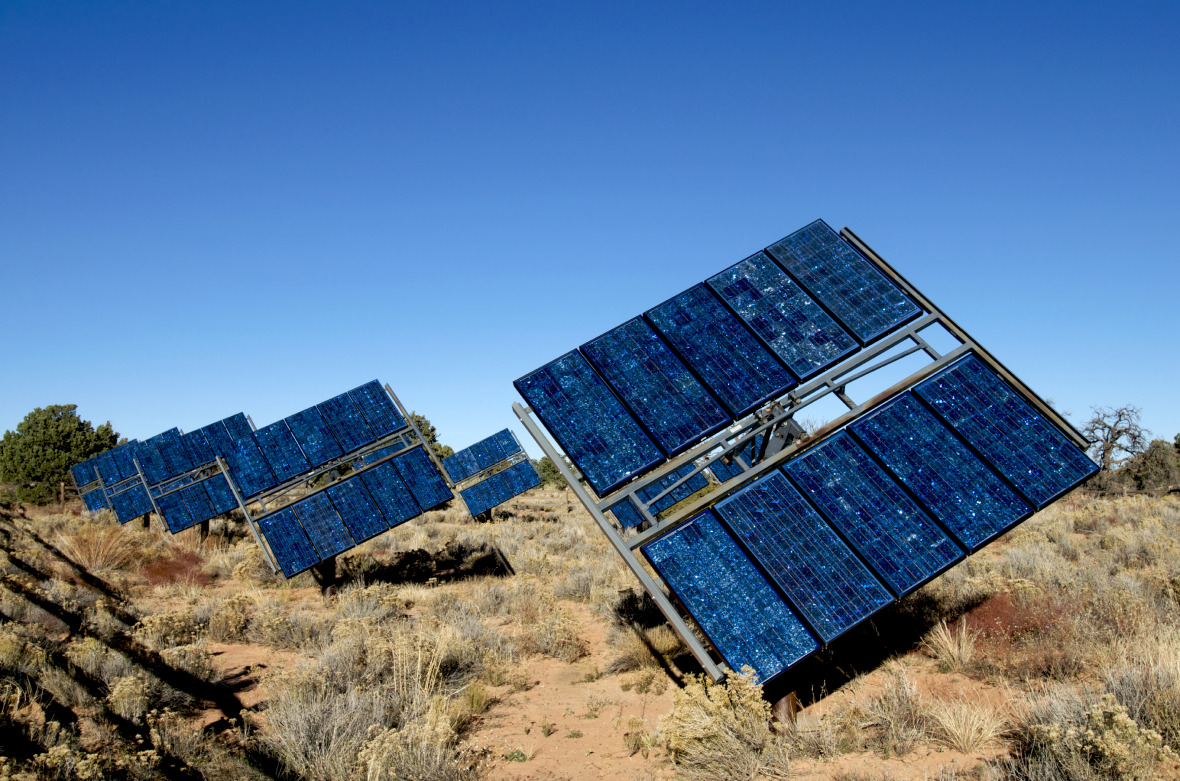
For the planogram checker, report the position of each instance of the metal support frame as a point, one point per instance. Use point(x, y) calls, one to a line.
point(266, 551)
point(772, 420)
point(422, 439)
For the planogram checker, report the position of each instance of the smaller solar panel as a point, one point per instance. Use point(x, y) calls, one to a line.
point(380, 453)
point(117, 464)
point(151, 461)
point(83, 473)
point(281, 450)
point(856, 291)
point(220, 494)
point(1016, 439)
point(196, 499)
point(589, 422)
point(656, 385)
point(131, 503)
point(237, 425)
point(626, 513)
point(817, 571)
point(483, 454)
point(323, 525)
point(196, 443)
point(723, 471)
point(677, 494)
point(174, 511)
point(176, 455)
point(377, 408)
point(722, 351)
point(347, 423)
point(390, 493)
point(422, 477)
point(796, 328)
point(500, 487)
point(744, 617)
point(248, 468)
point(357, 509)
point(287, 541)
point(903, 545)
point(314, 436)
point(94, 500)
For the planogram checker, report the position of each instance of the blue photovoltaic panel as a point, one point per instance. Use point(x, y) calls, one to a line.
point(237, 425)
point(680, 492)
point(421, 476)
point(287, 541)
point(196, 443)
point(894, 535)
point(346, 422)
point(626, 513)
point(281, 451)
point(377, 408)
point(248, 468)
point(174, 511)
point(171, 447)
point(151, 461)
point(220, 494)
point(196, 499)
point(723, 471)
point(500, 487)
point(656, 385)
point(314, 436)
point(864, 299)
point(131, 503)
point(221, 438)
point(521, 477)
point(721, 350)
point(357, 509)
point(323, 526)
point(117, 464)
point(954, 484)
point(592, 426)
point(380, 453)
point(481, 455)
point(390, 493)
point(817, 571)
point(796, 328)
point(83, 473)
point(744, 617)
point(1017, 440)
point(94, 500)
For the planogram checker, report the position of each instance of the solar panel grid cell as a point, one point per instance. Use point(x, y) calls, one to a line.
point(314, 436)
point(287, 541)
point(220, 494)
point(357, 509)
point(220, 439)
point(346, 422)
point(817, 571)
point(895, 536)
point(377, 408)
point(725, 354)
point(390, 493)
point(131, 503)
point(171, 447)
point(656, 385)
point(196, 499)
point(281, 450)
point(151, 461)
point(747, 621)
point(521, 477)
point(237, 425)
point(797, 329)
point(723, 471)
point(117, 464)
point(422, 478)
point(1018, 441)
point(481, 455)
point(176, 514)
point(94, 500)
point(593, 428)
point(248, 468)
point(954, 484)
point(679, 493)
point(485, 495)
point(864, 299)
point(626, 513)
point(83, 473)
point(323, 526)
point(196, 444)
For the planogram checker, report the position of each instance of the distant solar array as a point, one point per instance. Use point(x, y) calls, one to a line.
point(491, 472)
point(682, 424)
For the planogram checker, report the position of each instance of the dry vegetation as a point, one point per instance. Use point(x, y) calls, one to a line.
point(128, 653)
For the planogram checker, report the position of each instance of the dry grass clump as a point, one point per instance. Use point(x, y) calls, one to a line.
point(640, 648)
point(722, 730)
point(953, 648)
point(898, 714)
point(554, 632)
point(965, 726)
point(100, 549)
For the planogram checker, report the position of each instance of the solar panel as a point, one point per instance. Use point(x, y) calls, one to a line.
point(220, 494)
point(287, 541)
point(723, 471)
point(658, 388)
point(196, 443)
point(220, 436)
point(626, 513)
point(94, 500)
point(893, 534)
point(236, 425)
point(131, 503)
point(421, 476)
point(795, 327)
point(281, 451)
point(171, 447)
point(864, 300)
point(377, 408)
point(500, 487)
point(357, 509)
point(117, 464)
point(346, 422)
point(83, 473)
point(390, 493)
point(955, 485)
point(730, 360)
point(481, 455)
point(1017, 440)
point(196, 499)
point(323, 526)
point(314, 436)
point(592, 426)
point(744, 617)
point(248, 468)
point(380, 453)
point(816, 570)
point(174, 512)
point(679, 493)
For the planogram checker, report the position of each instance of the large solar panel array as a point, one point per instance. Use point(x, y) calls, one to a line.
point(627, 401)
point(877, 509)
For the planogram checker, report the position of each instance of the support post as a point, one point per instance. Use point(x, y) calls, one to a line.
point(325, 575)
point(203, 529)
point(147, 520)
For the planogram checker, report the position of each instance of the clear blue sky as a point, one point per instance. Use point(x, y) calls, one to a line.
point(208, 208)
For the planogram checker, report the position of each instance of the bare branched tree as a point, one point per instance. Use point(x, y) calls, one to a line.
point(1116, 434)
